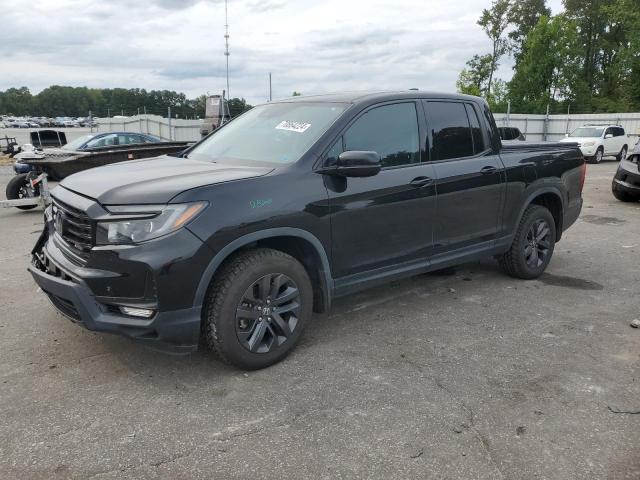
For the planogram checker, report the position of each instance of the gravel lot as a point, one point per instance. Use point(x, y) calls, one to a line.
point(467, 375)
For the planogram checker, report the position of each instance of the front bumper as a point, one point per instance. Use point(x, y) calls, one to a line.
point(161, 275)
point(589, 151)
point(627, 177)
point(172, 332)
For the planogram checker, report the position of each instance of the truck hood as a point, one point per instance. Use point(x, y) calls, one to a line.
point(153, 180)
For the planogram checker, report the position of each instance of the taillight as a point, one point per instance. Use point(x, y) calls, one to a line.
point(583, 174)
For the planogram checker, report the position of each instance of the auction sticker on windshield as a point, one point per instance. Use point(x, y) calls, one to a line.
point(298, 127)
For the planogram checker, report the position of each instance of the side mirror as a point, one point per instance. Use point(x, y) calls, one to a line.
point(355, 164)
point(608, 135)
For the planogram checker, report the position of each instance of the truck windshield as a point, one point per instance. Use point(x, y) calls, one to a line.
point(277, 133)
point(587, 132)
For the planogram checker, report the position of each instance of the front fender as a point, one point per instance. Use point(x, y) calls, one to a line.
point(238, 243)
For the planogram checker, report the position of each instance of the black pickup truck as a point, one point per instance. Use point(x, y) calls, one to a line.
point(292, 204)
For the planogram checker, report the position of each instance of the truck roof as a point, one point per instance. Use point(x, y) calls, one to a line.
point(357, 97)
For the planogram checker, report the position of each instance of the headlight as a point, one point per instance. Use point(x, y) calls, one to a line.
point(588, 144)
point(145, 222)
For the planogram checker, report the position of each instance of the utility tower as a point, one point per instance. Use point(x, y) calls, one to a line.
point(226, 43)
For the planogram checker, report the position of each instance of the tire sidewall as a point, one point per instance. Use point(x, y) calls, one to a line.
point(12, 191)
point(225, 325)
point(597, 158)
point(537, 214)
point(623, 153)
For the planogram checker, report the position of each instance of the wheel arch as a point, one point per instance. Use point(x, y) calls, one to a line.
point(300, 244)
point(550, 198)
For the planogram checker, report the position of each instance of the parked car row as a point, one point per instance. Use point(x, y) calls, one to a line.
point(41, 122)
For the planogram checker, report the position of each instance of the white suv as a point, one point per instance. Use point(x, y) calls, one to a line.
point(598, 141)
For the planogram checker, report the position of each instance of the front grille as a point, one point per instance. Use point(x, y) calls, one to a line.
point(66, 307)
point(74, 226)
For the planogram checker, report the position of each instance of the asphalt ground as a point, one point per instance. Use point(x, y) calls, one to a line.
point(469, 374)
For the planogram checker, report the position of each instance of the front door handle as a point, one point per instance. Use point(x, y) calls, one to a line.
point(488, 170)
point(419, 182)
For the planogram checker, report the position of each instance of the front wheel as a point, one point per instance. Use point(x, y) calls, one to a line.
point(257, 308)
point(623, 154)
point(597, 158)
point(19, 187)
point(532, 246)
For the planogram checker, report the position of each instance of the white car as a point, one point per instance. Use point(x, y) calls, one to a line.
point(599, 141)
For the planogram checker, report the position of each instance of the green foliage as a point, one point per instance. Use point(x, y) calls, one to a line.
point(586, 58)
point(524, 15)
point(58, 101)
point(494, 22)
point(549, 66)
point(296, 94)
point(474, 80)
point(238, 106)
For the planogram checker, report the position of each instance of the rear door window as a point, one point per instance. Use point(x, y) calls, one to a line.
point(450, 130)
point(476, 130)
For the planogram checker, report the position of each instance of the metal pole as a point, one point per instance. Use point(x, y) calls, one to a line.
point(169, 115)
point(508, 113)
point(546, 124)
point(270, 91)
point(90, 121)
point(226, 42)
point(566, 129)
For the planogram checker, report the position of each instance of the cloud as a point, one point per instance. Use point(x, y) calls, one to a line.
point(308, 46)
point(265, 5)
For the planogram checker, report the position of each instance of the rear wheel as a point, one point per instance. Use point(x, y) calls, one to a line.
point(622, 195)
point(532, 246)
point(258, 306)
point(19, 187)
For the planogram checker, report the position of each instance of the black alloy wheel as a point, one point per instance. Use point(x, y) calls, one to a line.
point(532, 246)
point(537, 244)
point(267, 315)
point(257, 308)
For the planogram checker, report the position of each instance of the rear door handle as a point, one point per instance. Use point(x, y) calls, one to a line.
point(488, 170)
point(419, 182)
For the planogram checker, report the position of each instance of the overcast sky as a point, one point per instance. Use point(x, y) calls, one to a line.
point(309, 46)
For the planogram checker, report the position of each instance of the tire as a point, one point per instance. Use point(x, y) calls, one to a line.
point(597, 158)
point(237, 297)
point(519, 260)
point(623, 154)
point(622, 195)
point(19, 187)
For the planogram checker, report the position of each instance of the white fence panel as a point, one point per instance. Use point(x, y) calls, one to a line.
point(177, 129)
point(534, 128)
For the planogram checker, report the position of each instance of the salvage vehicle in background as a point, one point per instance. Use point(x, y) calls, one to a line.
point(293, 204)
point(626, 182)
point(599, 141)
point(85, 152)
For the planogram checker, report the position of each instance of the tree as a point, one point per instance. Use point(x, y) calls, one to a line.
point(549, 67)
point(524, 15)
point(296, 94)
point(494, 22)
point(238, 106)
point(474, 79)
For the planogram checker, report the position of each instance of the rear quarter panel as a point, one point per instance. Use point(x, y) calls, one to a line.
point(533, 171)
